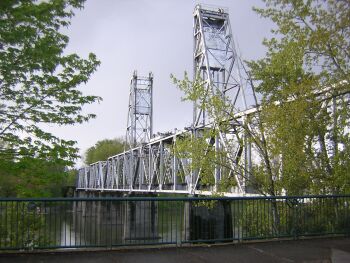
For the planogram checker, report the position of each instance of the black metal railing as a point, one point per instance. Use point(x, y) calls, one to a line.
point(38, 223)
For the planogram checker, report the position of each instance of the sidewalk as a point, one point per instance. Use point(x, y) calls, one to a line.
point(336, 250)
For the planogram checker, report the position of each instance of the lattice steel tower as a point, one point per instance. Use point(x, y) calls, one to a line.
point(140, 116)
point(216, 63)
point(215, 58)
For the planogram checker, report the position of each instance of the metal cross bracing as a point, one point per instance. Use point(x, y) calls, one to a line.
point(216, 61)
point(149, 168)
point(140, 114)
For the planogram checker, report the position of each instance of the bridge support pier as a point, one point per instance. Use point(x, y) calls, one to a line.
point(99, 222)
point(115, 222)
point(141, 220)
point(208, 220)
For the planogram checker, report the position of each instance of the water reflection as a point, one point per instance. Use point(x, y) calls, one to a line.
point(92, 223)
point(111, 222)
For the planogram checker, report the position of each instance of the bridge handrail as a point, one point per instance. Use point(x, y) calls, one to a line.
point(204, 198)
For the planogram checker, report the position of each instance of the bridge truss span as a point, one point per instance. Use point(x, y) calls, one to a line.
point(149, 168)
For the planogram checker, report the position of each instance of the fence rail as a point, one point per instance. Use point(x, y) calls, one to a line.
point(108, 222)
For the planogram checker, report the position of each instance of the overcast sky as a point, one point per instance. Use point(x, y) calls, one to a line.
point(146, 35)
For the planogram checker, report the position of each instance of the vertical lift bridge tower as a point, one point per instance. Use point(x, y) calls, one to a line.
point(218, 66)
point(140, 114)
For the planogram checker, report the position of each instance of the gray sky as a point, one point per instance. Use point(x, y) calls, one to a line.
point(146, 35)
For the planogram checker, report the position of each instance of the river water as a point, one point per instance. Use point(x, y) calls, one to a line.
point(85, 224)
point(107, 223)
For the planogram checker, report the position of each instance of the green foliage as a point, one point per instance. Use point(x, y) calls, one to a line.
point(26, 223)
point(254, 216)
point(205, 159)
point(195, 149)
point(295, 218)
point(31, 177)
point(38, 82)
point(202, 148)
point(103, 149)
point(303, 80)
point(321, 29)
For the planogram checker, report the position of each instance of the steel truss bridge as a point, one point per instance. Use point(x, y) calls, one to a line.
point(152, 167)
point(151, 164)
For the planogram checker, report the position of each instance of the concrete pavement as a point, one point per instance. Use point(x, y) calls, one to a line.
point(336, 250)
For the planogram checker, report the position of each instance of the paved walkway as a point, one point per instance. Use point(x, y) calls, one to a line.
point(336, 250)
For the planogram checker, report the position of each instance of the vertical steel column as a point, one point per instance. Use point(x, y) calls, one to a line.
point(174, 164)
point(161, 165)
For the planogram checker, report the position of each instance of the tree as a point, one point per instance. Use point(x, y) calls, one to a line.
point(32, 177)
point(38, 82)
point(304, 79)
point(205, 156)
point(103, 149)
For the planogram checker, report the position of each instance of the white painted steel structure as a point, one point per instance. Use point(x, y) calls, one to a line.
point(217, 64)
point(140, 114)
point(149, 168)
point(153, 165)
point(215, 60)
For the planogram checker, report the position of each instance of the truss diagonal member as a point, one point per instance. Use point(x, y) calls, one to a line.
point(233, 156)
